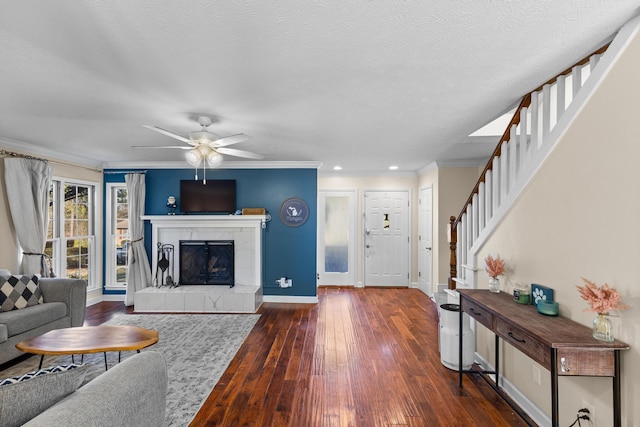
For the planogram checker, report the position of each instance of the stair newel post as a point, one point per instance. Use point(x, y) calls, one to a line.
point(453, 240)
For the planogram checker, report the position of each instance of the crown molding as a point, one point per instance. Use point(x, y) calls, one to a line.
point(428, 168)
point(327, 174)
point(224, 165)
point(463, 163)
point(53, 155)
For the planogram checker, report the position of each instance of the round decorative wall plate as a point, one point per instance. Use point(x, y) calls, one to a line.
point(294, 212)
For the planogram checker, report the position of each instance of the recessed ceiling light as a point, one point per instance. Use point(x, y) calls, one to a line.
point(337, 168)
point(393, 168)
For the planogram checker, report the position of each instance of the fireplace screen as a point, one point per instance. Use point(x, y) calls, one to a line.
point(207, 262)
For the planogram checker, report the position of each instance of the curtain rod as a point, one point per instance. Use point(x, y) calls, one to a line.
point(8, 153)
point(125, 172)
point(23, 156)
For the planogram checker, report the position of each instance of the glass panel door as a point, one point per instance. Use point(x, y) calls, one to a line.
point(336, 238)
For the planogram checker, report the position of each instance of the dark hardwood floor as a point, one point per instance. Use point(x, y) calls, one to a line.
point(361, 357)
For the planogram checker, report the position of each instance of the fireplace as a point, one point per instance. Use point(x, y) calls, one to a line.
point(207, 262)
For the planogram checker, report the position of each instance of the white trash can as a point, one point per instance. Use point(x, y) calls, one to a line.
point(450, 338)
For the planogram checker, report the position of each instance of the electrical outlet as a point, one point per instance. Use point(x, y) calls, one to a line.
point(536, 374)
point(592, 411)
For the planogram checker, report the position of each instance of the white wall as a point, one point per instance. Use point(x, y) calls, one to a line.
point(579, 218)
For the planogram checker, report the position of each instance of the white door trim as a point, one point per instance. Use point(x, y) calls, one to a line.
point(426, 284)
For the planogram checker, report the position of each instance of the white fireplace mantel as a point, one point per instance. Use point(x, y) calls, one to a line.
point(244, 230)
point(206, 220)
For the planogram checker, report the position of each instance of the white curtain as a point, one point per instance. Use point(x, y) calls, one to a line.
point(138, 269)
point(27, 182)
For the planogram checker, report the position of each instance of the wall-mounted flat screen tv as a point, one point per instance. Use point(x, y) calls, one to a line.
point(216, 196)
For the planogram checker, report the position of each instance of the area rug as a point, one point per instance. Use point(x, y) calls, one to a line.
point(197, 347)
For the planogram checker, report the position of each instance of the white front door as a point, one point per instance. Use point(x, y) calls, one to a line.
point(386, 238)
point(425, 240)
point(336, 238)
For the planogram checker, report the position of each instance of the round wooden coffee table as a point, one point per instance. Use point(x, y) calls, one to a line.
point(90, 339)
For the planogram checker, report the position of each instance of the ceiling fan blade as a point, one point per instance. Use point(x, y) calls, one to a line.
point(181, 147)
point(239, 153)
point(166, 132)
point(230, 140)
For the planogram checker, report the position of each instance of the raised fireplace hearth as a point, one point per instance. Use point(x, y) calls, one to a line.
point(207, 262)
point(245, 231)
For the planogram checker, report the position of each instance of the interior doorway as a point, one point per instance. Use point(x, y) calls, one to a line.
point(386, 238)
point(336, 238)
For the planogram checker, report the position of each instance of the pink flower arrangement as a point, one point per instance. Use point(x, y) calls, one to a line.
point(494, 266)
point(602, 299)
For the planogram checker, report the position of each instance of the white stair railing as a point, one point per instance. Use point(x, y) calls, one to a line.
point(512, 164)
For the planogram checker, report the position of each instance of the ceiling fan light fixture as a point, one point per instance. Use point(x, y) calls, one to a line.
point(194, 157)
point(214, 159)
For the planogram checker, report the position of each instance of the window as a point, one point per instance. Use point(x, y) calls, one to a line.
point(117, 220)
point(71, 230)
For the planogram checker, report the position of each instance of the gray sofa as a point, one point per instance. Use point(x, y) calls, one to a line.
point(132, 393)
point(64, 306)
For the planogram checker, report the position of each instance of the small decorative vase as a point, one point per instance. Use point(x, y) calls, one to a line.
point(602, 328)
point(494, 284)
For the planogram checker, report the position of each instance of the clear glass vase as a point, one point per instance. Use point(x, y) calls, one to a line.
point(494, 284)
point(602, 328)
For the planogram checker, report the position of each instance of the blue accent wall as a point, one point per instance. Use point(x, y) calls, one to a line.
point(287, 251)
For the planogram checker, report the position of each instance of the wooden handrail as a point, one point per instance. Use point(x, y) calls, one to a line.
point(515, 120)
point(526, 101)
point(583, 61)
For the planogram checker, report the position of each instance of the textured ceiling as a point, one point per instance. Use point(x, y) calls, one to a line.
point(363, 84)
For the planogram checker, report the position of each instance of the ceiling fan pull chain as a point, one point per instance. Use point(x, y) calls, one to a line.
point(204, 172)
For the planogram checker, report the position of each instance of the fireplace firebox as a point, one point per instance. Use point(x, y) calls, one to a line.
point(207, 262)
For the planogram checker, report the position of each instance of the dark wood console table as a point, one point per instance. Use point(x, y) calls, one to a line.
point(561, 345)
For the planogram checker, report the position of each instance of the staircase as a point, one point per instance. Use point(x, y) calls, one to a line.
point(537, 125)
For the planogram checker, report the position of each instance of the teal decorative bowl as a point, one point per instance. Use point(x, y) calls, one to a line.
point(548, 308)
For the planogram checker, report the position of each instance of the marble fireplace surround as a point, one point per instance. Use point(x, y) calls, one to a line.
point(244, 230)
point(247, 294)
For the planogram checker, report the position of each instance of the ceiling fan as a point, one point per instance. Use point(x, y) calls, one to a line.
point(205, 147)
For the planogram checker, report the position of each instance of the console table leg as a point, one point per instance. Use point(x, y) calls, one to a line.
point(460, 347)
point(617, 419)
point(41, 359)
point(554, 388)
point(105, 361)
point(497, 359)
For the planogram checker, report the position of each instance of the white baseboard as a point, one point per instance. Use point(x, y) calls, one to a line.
point(94, 296)
point(113, 297)
point(290, 299)
point(425, 290)
point(517, 396)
